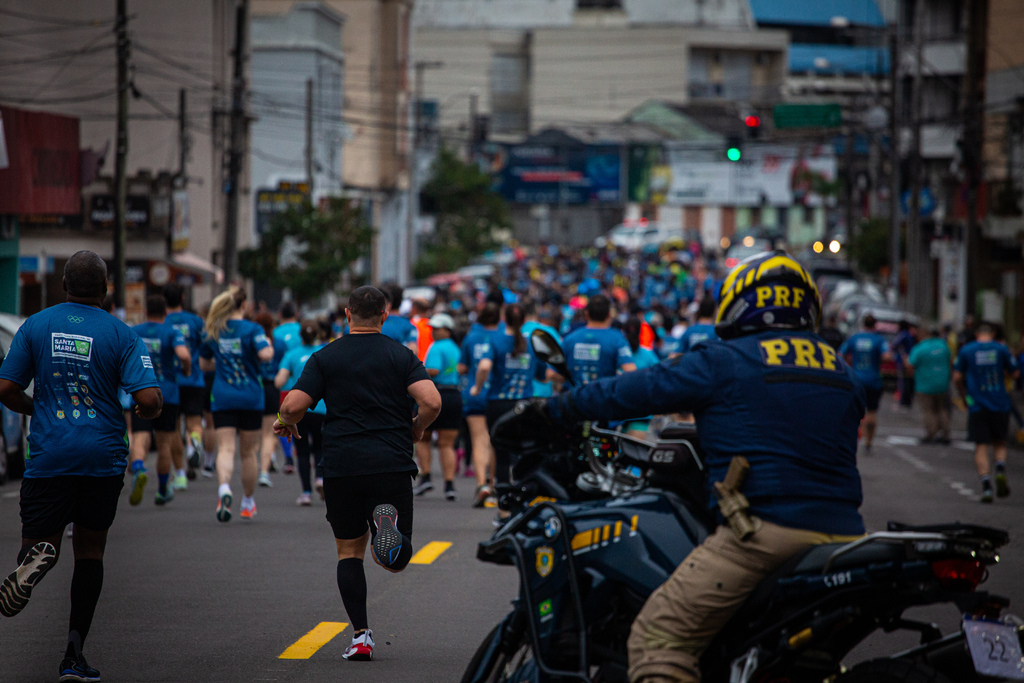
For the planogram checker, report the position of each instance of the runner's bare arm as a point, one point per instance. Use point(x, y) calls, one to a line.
point(282, 376)
point(265, 354)
point(293, 408)
point(149, 403)
point(425, 393)
point(207, 364)
point(14, 397)
point(181, 351)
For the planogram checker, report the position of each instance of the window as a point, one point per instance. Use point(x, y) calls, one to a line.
point(598, 4)
point(510, 91)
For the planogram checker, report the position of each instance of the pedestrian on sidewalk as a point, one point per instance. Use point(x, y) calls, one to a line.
point(366, 380)
point(982, 367)
point(932, 371)
point(78, 356)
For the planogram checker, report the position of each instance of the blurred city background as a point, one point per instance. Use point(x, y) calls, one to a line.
point(304, 147)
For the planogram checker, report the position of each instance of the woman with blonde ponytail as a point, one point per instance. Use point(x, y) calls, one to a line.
point(233, 348)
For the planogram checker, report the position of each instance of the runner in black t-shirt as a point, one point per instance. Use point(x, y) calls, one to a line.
point(366, 380)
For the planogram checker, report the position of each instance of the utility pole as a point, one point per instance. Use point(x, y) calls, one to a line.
point(121, 158)
point(474, 132)
point(309, 135)
point(413, 205)
point(915, 273)
point(181, 180)
point(236, 145)
point(974, 107)
point(894, 158)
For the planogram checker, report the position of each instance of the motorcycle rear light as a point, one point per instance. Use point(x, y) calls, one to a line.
point(959, 573)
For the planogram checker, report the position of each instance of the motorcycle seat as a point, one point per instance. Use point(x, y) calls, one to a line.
point(813, 561)
point(678, 430)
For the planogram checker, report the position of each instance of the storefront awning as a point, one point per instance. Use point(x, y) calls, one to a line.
point(190, 260)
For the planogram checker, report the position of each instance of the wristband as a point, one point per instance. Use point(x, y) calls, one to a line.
point(282, 422)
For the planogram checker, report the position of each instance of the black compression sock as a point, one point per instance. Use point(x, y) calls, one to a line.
point(352, 586)
point(425, 477)
point(86, 584)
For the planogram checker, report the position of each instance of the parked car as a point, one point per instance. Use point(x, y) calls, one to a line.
point(13, 426)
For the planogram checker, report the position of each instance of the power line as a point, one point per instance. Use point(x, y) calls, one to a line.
point(55, 20)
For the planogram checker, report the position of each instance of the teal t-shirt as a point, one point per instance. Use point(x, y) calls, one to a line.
point(931, 361)
point(444, 355)
point(294, 361)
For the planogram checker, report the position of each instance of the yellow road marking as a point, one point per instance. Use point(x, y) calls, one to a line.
point(306, 646)
point(430, 552)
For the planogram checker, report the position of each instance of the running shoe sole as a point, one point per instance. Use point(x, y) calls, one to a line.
point(138, 485)
point(387, 544)
point(1002, 486)
point(70, 670)
point(986, 496)
point(17, 587)
point(224, 508)
point(247, 513)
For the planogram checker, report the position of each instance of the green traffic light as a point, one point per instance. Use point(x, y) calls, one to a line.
point(733, 154)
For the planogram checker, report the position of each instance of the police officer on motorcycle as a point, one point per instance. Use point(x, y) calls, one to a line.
point(770, 394)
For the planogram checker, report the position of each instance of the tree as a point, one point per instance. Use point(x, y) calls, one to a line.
point(467, 211)
point(307, 249)
point(870, 248)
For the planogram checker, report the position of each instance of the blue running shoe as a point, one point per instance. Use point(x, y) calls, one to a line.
point(16, 589)
point(72, 669)
point(387, 543)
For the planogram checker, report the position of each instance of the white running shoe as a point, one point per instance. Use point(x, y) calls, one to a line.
point(361, 649)
point(264, 480)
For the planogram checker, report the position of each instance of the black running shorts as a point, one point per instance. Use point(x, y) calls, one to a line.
point(271, 398)
point(986, 426)
point(351, 500)
point(873, 398)
point(51, 503)
point(450, 416)
point(167, 422)
point(242, 420)
point(191, 400)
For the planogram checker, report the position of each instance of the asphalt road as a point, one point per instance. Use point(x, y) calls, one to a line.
point(189, 599)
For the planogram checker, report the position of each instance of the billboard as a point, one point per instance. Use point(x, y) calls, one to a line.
point(272, 202)
point(556, 174)
point(768, 175)
point(41, 174)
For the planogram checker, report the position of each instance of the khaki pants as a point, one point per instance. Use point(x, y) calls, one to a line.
point(935, 408)
point(681, 618)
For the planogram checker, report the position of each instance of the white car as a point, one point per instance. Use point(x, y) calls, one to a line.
point(634, 236)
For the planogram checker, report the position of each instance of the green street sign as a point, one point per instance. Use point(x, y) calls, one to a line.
point(807, 116)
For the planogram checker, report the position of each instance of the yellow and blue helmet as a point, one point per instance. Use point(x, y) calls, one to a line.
point(769, 291)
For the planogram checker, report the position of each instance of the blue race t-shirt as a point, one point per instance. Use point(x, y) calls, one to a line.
point(645, 358)
point(475, 346)
point(512, 374)
point(79, 357)
point(293, 361)
point(190, 327)
point(984, 366)
point(288, 333)
point(596, 353)
point(444, 356)
point(541, 388)
point(400, 329)
point(236, 384)
point(268, 370)
point(695, 334)
point(160, 340)
point(865, 350)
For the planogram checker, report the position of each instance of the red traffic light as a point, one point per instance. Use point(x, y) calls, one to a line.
point(753, 121)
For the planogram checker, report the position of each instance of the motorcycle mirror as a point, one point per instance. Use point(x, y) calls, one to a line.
point(547, 348)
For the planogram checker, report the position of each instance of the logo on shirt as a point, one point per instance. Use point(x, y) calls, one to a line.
point(147, 362)
point(91, 413)
point(60, 414)
point(76, 413)
point(987, 357)
point(71, 346)
point(230, 346)
point(520, 362)
point(864, 344)
point(74, 401)
point(589, 352)
point(76, 319)
point(796, 352)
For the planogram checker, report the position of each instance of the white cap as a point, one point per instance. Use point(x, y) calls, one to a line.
point(442, 320)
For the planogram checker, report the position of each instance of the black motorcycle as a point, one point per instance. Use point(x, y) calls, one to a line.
point(586, 568)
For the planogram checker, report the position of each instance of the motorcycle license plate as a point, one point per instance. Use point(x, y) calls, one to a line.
point(995, 649)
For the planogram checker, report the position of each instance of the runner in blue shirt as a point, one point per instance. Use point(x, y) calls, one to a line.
point(982, 367)
point(234, 348)
point(542, 388)
point(442, 364)
point(271, 400)
point(702, 330)
point(170, 356)
point(310, 442)
point(78, 450)
point(396, 326)
point(288, 331)
point(475, 346)
point(190, 387)
point(865, 352)
point(511, 368)
point(597, 350)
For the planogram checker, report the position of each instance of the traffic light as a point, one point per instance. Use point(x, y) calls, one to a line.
point(753, 124)
point(733, 150)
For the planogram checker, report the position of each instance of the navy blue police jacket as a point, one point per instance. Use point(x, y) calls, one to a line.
point(785, 401)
